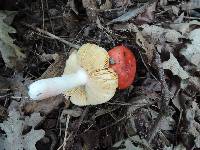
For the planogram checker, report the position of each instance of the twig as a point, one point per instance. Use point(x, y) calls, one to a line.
point(42, 13)
point(119, 103)
point(81, 119)
point(116, 122)
point(79, 124)
point(47, 5)
point(53, 139)
point(53, 36)
point(166, 96)
point(3, 96)
point(178, 125)
point(66, 132)
point(76, 37)
point(147, 66)
point(62, 144)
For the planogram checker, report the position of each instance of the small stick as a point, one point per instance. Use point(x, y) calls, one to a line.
point(53, 36)
point(66, 132)
point(166, 96)
point(74, 134)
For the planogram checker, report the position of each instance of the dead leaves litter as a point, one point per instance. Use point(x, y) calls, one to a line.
point(173, 65)
point(14, 127)
point(11, 53)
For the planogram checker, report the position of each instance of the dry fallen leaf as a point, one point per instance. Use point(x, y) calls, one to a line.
point(147, 16)
point(192, 52)
point(172, 147)
point(179, 20)
point(160, 34)
point(76, 112)
point(44, 106)
point(4, 83)
point(175, 10)
point(122, 3)
point(107, 5)
point(192, 4)
point(197, 141)
point(90, 6)
point(173, 65)
point(193, 126)
point(141, 101)
point(73, 6)
point(14, 127)
point(194, 83)
point(10, 52)
point(48, 57)
point(163, 2)
point(151, 85)
point(167, 123)
point(91, 139)
point(132, 143)
point(131, 13)
point(185, 28)
point(143, 43)
point(147, 46)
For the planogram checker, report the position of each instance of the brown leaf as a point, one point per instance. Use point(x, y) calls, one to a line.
point(71, 23)
point(173, 65)
point(148, 47)
point(4, 83)
point(72, 6)
point(107, 5)
point(192, 4)
point(91, 139)
point(159, 34)
point(185, 28)
point(90, 6)
point(151, 85)
point(48, 57)
point(3, 112)
point(44, 106)
point(76, 112)
point(163, 2)
point(18, 86)
point(147, 16)
point(133, 12)
point(121, 3)
point(180, 18)
point(194, 84)
point(56, 68)
point(142, 101)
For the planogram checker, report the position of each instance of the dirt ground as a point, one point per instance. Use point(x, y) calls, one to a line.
point(160, 110)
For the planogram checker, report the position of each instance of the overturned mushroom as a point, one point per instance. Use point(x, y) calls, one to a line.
point(87, 78)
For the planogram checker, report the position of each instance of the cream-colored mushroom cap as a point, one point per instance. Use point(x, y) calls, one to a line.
point(102, 80)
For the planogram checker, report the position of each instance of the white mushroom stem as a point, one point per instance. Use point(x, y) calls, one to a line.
point(45, 88)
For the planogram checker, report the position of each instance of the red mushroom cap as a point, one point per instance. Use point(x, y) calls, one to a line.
point(123, 62)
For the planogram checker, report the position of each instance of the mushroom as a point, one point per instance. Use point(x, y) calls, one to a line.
point(87, 78)
point(123, 62)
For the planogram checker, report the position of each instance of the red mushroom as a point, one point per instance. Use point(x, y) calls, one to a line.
point(123, 62)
